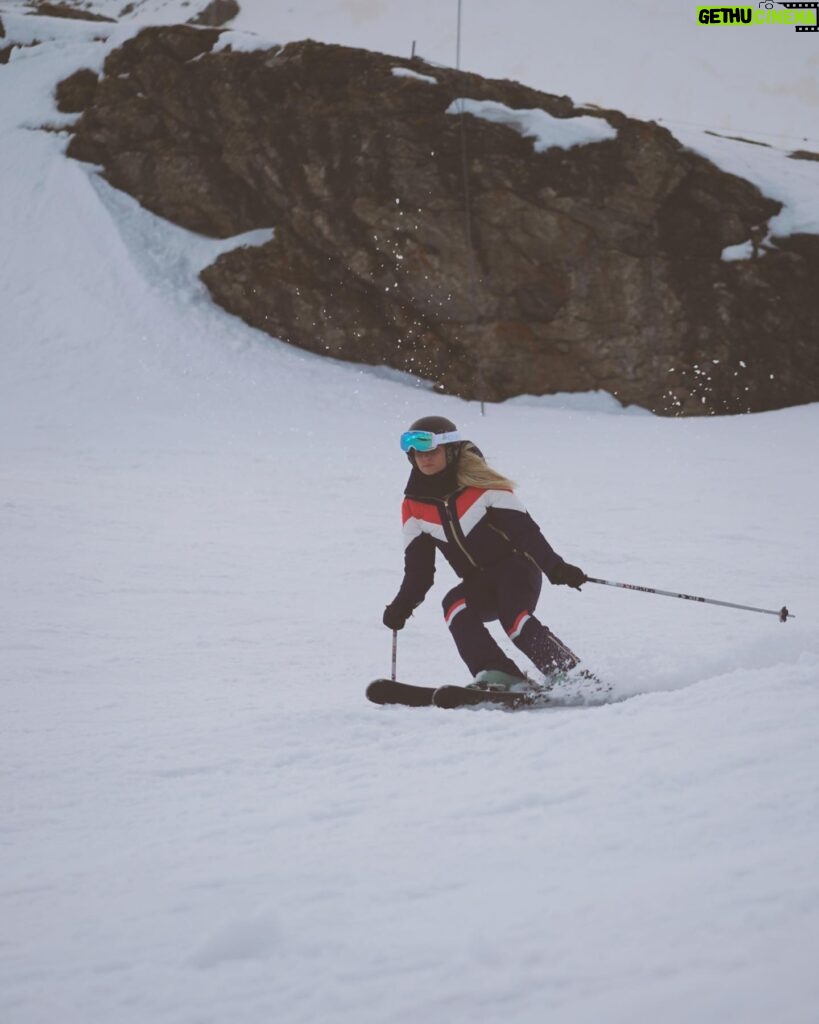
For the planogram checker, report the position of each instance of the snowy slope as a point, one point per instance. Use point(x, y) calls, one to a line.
point(203, 820)
point(651, 60)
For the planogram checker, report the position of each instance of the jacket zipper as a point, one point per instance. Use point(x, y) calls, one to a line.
point(454, 530)
point(517, 551)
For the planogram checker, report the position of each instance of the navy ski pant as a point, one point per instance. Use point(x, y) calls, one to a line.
point(507, 591)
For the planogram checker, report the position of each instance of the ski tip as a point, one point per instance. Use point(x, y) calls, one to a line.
point(390, 691)
point(448, 697)
point(378, 691)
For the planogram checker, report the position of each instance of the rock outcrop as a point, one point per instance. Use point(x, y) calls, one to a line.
point(63, 10)
point(76, 92)
point(217, 12)
point(594, 267)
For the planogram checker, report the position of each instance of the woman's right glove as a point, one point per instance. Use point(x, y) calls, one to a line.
point(567, 575)
point(396, 615)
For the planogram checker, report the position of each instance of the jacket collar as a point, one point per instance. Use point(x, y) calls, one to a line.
point(440, 485)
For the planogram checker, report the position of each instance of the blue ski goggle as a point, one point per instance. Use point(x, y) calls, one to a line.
point(425, 440)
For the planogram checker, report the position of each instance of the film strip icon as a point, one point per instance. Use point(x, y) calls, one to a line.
point(801, 7)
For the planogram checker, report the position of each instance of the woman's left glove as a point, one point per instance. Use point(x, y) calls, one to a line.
point(567, 575)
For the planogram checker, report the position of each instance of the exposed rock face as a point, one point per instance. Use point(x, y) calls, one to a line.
point(5, 51)
point(593, 267)
point(217, 12)
point(76, 92)
point(67, 11)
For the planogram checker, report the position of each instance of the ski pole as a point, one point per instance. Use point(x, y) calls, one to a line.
point(783, 612)
point(394, 652)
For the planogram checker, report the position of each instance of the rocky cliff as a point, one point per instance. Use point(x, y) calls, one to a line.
point(596, 266)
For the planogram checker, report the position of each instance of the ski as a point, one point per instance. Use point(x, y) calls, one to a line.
point(468, 696)
point(390, 691)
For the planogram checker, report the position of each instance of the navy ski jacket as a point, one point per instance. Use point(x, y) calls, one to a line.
point(474, 528)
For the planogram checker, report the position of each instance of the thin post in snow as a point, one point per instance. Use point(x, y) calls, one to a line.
point(458, 41)
point(467, 199)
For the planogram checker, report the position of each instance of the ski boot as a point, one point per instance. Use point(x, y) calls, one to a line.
point(499, 681)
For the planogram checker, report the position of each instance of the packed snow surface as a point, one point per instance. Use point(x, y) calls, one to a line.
point(203, 820)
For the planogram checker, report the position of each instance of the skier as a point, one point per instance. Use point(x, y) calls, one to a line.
point(456, 502)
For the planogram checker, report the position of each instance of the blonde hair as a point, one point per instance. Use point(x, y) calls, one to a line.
point(473, 471)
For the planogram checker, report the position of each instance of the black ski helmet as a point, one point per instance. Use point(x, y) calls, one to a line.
point(437, 425)
point(434, 424)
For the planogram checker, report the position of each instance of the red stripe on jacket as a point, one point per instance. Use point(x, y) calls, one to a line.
point(420, 510)
point(465, 500)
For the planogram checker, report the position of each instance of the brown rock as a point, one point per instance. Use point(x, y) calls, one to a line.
point(47, 10)
point(594, 267)
point(76, 92)
point(217, 12)
point(803, 154)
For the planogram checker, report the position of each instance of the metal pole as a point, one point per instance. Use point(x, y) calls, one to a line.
point(783, 613)
point(394, 652)
point(458, 44)
point(467, 202)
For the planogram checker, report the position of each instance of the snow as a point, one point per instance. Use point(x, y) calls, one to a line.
point(547, 131)
point(651, 60)
point(409, 73)
point(202, 818)
point(743, 251)
point(242, 42)
point(793, 182)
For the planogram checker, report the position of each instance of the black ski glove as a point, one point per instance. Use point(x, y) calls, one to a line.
point(396, 615)
point(567, 575)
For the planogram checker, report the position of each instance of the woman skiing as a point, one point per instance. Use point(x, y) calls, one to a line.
point(455, 502)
